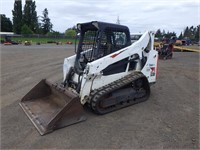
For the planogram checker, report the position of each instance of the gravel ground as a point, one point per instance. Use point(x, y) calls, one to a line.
point(169, 119)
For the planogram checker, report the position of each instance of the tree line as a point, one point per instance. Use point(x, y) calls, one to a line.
point(26, 21)
point(189, 32)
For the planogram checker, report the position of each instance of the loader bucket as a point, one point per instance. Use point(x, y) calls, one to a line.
point(51, 107)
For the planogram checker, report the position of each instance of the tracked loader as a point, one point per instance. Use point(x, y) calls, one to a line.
point(107, 73)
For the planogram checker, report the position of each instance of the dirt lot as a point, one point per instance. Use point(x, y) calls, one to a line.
point(169, 119)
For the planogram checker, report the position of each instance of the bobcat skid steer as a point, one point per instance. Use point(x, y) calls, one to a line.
point(107, 73)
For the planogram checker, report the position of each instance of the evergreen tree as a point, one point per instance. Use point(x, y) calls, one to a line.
point(197, 34)
point(192, 33)
point(39, 29)
point(26, 30)
point(46, 23)
point(163, 32)
point(30, 15)
point(158, 34)
point(180, 36)
point(173, 34)
point(6, 24)
point(192, 29)
point(186, 32)
point(168, 35)
point(17, 16)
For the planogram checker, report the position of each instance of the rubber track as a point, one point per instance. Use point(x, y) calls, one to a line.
point(98, 93)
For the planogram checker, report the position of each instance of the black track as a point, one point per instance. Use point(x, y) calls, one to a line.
point(131, 89)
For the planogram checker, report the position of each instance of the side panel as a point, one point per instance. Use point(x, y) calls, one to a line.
point(97, 82)
point(104, 80)
point(150, 68)
point(136, 48)
point(68, 63)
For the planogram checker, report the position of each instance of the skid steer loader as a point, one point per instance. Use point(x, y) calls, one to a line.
point(106, 73)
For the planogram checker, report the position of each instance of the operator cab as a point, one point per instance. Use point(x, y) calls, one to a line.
point(98, 39)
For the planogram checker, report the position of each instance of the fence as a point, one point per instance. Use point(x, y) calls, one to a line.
point(62, 36)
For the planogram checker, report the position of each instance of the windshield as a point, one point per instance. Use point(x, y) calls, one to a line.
point(88, 45)
point(95, 44)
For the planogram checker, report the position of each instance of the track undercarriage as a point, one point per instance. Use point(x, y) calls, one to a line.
point(129, 90)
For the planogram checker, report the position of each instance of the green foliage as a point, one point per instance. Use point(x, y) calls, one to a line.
point(46, 23)
point(70, 33)
point(53, 33)
point(169, 34)
point(158, 34)
point(192, 33)
point(197, 34)
point(30, 18)
point(6, 24)
point(189, 32)
point(180, 36)
point(30, 15)
point(186, 32)
point(26, 30)
point(39, 29)
point(163, 34)
point(17, 16)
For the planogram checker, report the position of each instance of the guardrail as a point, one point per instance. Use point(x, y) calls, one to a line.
point(186, 49)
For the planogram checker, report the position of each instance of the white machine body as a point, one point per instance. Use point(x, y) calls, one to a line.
point(93, 77)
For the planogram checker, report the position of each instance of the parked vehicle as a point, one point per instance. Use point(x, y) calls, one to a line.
point(107, 74)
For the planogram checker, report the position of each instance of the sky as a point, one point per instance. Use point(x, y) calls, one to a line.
point(138, 15)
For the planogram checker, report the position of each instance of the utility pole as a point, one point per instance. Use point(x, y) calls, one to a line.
point(118, 21)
